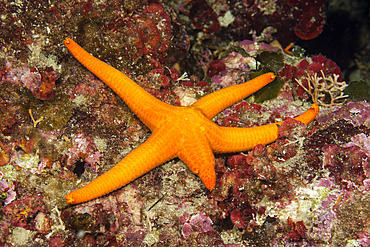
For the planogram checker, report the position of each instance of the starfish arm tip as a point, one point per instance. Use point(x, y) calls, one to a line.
point(209, 180)
point(315, 107)
point(69, 199)
point(67, 41)
point(211, 188)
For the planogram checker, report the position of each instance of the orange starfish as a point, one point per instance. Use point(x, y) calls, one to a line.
point(184, 132)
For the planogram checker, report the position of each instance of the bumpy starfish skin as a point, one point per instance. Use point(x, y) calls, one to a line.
point(184, 132)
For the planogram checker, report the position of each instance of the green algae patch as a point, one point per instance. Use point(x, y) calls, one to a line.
point(268, 92)
point(358, 90)
point(271, 60)
point(55, 112)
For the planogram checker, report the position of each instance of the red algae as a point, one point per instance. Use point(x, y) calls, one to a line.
point(203, 16)
point(310, 66)
point(21, 212)
point(215, 67)
point(312, 20)
point(48, 77)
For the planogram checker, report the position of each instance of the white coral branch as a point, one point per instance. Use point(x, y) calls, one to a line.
point(321, 87)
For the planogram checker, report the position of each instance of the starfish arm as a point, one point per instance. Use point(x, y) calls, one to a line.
point(308, 116)
point(140, 101)
point(198, 156)
point(214, 103)
point(231, 139)
point(156, 150)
